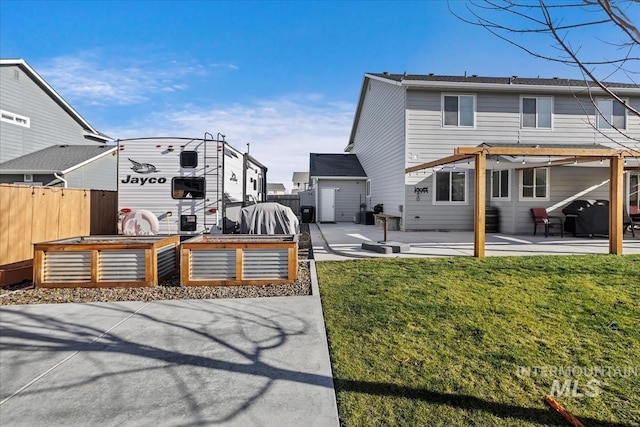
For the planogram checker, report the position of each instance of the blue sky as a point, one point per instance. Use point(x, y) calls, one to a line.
point(283, 76)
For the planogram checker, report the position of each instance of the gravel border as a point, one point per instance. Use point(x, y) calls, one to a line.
point(169, 289)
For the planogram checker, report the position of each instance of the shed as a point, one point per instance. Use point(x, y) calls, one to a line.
point(341, 186)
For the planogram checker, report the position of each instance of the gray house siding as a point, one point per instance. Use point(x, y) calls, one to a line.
point(348, 196)
point(379, 144)
point(498, 121)
point(49, 122)
point(99, 174)
point(423, 214)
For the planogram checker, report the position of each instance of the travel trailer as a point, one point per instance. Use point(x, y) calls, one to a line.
point(185, 186)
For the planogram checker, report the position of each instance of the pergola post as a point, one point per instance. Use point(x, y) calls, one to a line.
point(616, 200)
point(479, 213)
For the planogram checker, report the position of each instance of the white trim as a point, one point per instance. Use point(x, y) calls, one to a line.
point(449, 202)
point(367, 188)
point(15, 119)
point(509, 179)
point(385, 80)
point(458, 95)
point(628, 187)
point(536, 127)
point(534, 198)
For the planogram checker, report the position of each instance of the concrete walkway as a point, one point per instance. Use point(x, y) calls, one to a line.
point(341, 241)
point(237, 362)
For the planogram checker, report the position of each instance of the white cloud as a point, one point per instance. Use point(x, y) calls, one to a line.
point(281, 132)
point(85, 79)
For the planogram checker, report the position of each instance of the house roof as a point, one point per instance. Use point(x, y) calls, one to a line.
point(56, 159)
point(276, 186)
point(410, 79)
point(300, 177)
point(335, 165)
point(480, 83)
point(26, 68)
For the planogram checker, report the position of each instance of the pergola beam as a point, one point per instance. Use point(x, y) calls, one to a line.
point(616, 186)
point(543, 151)
point(561, 162)
point(440, 162)
point(571, 155)
point(479, 237)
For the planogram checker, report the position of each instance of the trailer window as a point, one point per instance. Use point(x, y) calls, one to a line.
point(189, 159)
point(187, 188)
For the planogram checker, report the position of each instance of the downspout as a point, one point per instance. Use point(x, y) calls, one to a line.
point(66, 184)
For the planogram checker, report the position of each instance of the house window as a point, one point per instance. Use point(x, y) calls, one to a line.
point(634, 192)
point(536, 112)
point(367, 187)
point(450, 186)
point(15, 119)
point(458, 110)
point(611, 114)
point(535, 183)
point(500, 184)
point(188, 188)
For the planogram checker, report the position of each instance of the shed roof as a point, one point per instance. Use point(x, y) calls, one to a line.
point(335, 165)
point(56, 159)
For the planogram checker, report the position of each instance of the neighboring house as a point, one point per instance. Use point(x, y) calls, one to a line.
point(276, 189)
point(73, 166)
point(300, 181)
point(34, 117)
point(408, 120)
point(339, 186)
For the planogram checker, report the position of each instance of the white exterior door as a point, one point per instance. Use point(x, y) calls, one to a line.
point(327, 205)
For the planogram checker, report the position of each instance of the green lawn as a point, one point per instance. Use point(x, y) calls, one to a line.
point(446, 342)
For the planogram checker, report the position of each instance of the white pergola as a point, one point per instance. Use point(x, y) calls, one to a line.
point(567, 156)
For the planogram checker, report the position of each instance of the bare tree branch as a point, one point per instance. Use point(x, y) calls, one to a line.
point(567, 29)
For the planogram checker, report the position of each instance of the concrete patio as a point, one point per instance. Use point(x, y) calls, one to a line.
point(228, 362)
point(341, 241)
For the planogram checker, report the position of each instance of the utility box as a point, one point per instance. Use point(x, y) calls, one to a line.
point(308, 214)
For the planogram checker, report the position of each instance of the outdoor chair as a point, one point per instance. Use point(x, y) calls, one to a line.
point(540, 217)
point(628, 223)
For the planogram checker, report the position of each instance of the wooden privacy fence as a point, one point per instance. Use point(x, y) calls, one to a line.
point(30, 215)
point(290, 200)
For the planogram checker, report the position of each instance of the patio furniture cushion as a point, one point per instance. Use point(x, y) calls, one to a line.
point(540, 217)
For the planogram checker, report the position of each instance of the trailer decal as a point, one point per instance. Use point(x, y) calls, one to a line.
point(142, 167)
point(143, 181)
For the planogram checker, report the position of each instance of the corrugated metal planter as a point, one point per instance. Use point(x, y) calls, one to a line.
point(238, 260)
point(105, 261)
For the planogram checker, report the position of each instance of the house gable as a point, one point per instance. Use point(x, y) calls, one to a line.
point(50, 118)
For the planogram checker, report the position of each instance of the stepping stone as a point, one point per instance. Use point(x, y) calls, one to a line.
point(386, 247)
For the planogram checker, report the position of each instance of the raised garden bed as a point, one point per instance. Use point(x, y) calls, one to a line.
point(232, 259)
point(105, 261)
